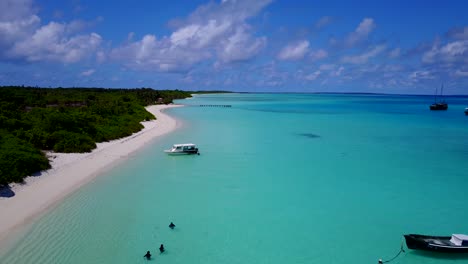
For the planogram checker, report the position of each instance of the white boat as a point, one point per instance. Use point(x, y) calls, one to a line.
point(182, 149)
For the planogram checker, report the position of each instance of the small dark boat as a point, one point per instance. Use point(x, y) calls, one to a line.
point(466, 111)
point(441, 105)
point(438, 106)
point(457, 243)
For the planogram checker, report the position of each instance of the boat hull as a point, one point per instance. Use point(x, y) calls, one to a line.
point(438, 106)
point(433, 243)
point(179, 153)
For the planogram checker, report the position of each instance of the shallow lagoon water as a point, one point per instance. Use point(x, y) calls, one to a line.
point(282, 178)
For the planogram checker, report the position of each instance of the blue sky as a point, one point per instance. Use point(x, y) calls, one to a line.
point(239, 45)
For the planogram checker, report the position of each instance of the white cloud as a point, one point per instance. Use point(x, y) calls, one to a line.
point(184, 35)
point(51, 43)
point(313, 76)
point(458, 33)
point(294, 51)
point(236, 11)
point(200, 36)
point(101, 56)
point(148, 45)
point(17, 21)
point(363, 58)
point(240, 46)
point(23, 38)
point(150, 53)
point(216, 31)
point(421, 75)
point(456, 51)
point(13, 30)
point(13, 9)
point(361, 33)
point(271, 74)
point(338, 72)
point(460, 73)
point(130, 36)
point(318, 54)
point(323, 22)
point(88, 72)
point(365, 27)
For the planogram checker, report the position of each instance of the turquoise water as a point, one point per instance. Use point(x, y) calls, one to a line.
point(282, 178)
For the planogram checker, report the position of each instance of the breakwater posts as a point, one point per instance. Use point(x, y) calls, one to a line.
point(215, 105)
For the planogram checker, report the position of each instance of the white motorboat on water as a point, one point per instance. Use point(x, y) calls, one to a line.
point(183, 149)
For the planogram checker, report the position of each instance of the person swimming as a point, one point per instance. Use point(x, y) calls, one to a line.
point(171, 226)
point(161, 248)
point(147, 255)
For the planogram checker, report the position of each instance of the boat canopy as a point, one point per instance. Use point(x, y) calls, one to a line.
point(459, 240)
point(184, 145)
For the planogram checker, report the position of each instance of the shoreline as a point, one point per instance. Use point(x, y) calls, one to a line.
point(70, 171)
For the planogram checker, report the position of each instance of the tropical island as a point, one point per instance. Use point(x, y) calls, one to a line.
point(67, 120)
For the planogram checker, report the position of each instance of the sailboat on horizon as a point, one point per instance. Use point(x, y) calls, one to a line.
point(439, 105)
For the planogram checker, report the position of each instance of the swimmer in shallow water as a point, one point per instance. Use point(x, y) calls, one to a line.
point(171, 226)
point(161, 248)
point(147, 255)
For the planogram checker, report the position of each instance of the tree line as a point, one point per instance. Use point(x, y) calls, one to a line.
point(67, 120)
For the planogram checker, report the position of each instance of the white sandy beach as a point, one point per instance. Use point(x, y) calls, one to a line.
point(71, 171)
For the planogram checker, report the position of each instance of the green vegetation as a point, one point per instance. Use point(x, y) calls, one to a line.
point(67, 120)
point(19, 158)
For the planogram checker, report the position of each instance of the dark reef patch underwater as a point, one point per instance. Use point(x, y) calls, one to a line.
point(309, 135)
